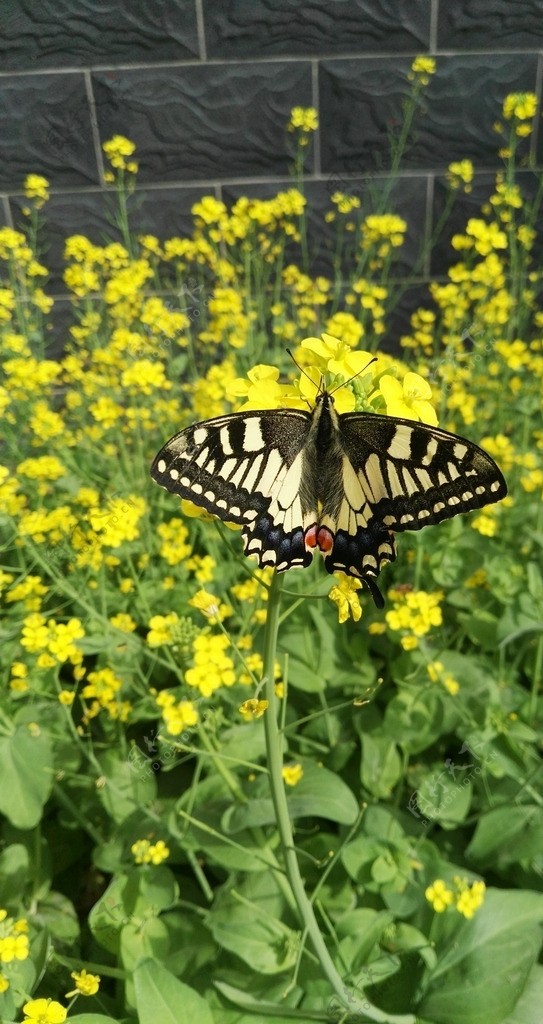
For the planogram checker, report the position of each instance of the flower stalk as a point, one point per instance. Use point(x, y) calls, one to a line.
point(274, 750)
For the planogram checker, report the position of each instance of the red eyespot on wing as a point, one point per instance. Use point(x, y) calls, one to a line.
point(310, 537)
point(325, 540)
point(319, 537)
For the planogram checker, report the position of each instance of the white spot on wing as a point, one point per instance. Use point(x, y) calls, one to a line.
point(224, 436)
point(174, 473)
point(400, 446)
point(161, 466)
point(431, 449)
point(459, 451)
point(454, 474)
point(200, 435)
point(252, 438)
point(202, 457)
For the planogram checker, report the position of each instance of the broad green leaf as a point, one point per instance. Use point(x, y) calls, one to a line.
point(123, 791)
point(480, 977)
point(507, 835)
point(381, 766)
point(92, 1018)
point(58, 913)
point(528, 1008)
point(14, 868)
point(319, 794)
point(264, 1011)
point(445, 799)
point(257, 937)
point(27, 776)
point(414, 720)
point(162, 999)
point(142, 939)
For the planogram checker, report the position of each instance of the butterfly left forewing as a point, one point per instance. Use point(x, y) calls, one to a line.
point(246, 468)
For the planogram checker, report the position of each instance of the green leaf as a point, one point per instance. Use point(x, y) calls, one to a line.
point(160, 996)
point(414, 720)
point(507, 835)
point(445, 799)
point(247, 929)
point(14, 868)
point(27, 776)
point(381, 766)
point(92, 1018)
point(528, 1008)
point(320, 793)
point(58, 913)
point(480, 977)
point(123, 791)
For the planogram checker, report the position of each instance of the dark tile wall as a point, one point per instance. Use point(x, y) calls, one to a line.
point(205, 87)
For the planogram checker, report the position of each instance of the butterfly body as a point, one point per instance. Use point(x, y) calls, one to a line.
point(299, 481)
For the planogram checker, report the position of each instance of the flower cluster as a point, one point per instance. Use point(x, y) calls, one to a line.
point(145, 852)
point(465, 898)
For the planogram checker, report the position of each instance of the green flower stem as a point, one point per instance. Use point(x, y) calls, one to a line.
point(274, 748)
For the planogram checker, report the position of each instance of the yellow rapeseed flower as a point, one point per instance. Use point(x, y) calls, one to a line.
point(344, 594)
point(85, 984)
point(253, 708)
point(422, 69)
point(44, 1011)
point(179, 716)
point(292, 774)
point(36, 187)
point(439, 896)
point(163, 629)
point(213, 667)
point(415, 611)
point(410, 399)
point(304, 119)
point(521, 106)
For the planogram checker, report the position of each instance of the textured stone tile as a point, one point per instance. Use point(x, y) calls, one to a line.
point(162, 212)
point(361, 105)
point(480, 25)
point(217, 121)
point(245, 28)
point(69, 33)
point(45, 128)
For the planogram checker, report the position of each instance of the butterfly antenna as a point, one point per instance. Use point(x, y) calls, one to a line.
point(301, 369)
point(363, 370)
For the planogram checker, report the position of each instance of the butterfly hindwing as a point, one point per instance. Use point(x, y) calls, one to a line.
point(246, 468)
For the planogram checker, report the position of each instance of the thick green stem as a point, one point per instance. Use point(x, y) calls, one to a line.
point(274, 748)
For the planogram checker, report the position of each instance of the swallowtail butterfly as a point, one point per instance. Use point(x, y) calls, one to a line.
point(299, 481)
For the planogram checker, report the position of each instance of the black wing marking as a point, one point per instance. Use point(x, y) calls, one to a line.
point(246, 468)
